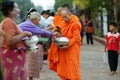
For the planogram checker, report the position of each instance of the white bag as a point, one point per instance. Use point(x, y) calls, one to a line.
point(105, 57)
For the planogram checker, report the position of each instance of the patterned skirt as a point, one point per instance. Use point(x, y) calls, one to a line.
point(33, 64)
point(13, 64)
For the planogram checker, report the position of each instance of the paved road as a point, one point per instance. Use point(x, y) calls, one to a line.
point(92, 66)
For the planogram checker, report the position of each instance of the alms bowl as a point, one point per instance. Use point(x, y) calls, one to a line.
point(61, 41)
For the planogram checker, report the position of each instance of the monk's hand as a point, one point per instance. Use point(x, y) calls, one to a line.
point(57, 34)
point(50, 28)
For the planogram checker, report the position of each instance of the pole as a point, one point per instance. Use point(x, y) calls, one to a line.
point(115, 10)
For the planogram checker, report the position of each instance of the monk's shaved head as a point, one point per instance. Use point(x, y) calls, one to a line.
point(65, 11)
point(66, 15)
point(59, 10)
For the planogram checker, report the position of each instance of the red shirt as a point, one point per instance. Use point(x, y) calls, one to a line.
point(11, 28)
point(89, 28)
point(112, 41)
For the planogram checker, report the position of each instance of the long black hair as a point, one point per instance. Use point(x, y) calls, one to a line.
point(7, 6)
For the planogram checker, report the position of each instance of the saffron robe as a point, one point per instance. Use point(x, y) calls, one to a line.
point(58, 20)
point(66, 62)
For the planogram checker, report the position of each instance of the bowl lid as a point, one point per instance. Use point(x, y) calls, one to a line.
point(62, 39)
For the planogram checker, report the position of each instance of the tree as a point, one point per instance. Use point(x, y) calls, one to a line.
point(81, 3)
point(39, 9)
point(1, 17)
point(24, 5)
point(59, 3)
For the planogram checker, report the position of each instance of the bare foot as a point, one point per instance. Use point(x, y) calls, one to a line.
point(114, 72)
point(111, 73)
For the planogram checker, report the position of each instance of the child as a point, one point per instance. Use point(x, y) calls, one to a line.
point(113, 47)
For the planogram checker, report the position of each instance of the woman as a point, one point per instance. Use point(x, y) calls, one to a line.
point(13, 49)
point(31, 25)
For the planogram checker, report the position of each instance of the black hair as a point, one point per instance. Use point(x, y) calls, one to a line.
point(7, 6)
point(52, 14)
point(48, 11)
point(31, 10)
point(65, 5)
point(45, 12)
point(113, 24)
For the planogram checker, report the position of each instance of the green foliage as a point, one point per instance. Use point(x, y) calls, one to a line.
point(81, 3)
point(1, 0)
point(1, 17)
point(24, 5)
point(95, 6)
point(59, 3)
point(39, 9)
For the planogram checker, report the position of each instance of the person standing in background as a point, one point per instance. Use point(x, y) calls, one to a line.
point(113, 47)
point(45, 14)
point(51, 18)
point(89, 31)
point(44, 24)
point(13, 50)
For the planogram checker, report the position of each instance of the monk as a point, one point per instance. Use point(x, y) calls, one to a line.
point(65, 60)
point(66, 6)
point(58, 19)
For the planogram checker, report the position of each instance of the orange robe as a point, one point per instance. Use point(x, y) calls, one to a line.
point(58, 20)
point(75, 18)
point(66, 62)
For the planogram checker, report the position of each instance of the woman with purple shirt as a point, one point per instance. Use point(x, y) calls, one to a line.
point(31, 25)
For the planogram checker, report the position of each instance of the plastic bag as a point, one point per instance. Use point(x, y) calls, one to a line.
point(105, 57)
